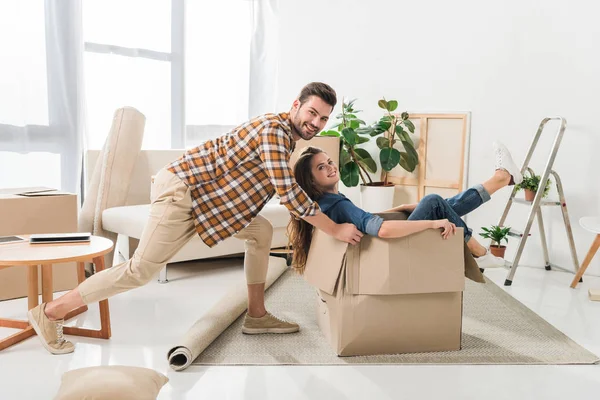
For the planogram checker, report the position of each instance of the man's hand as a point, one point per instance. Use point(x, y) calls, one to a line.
point(348, 233)
point(446, 226)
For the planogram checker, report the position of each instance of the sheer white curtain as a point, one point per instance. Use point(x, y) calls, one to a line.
point(195, 68)
point(263, 57)
point(40, 94)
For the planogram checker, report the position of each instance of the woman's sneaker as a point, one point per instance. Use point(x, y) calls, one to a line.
point(504, 161)
point(489, 261)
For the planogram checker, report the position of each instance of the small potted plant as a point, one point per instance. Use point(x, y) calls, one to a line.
point(497, 234)
point(530, 185)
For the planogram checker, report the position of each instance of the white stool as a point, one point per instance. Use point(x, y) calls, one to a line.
point(591, 224)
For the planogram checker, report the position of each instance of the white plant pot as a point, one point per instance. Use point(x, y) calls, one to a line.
point(376, 199)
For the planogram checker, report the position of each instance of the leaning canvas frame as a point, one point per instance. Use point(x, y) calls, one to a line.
point(442, 141)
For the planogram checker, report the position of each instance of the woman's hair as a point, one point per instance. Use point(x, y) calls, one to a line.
point(300, 231)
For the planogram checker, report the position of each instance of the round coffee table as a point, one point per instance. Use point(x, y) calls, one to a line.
point(33, 255)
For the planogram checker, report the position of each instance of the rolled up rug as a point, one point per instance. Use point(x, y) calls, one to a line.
point(217, 319)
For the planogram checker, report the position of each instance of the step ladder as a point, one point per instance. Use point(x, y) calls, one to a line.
point(537, 203)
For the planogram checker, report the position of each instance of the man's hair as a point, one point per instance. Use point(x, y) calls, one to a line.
point(321, 90)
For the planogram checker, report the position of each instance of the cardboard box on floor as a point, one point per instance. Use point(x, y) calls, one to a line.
point(390, 296)
point(36, 210)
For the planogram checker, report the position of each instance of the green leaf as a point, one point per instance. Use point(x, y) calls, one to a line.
point(354, 124)
point(382, 104)
point(411, 152)
point(392, 105)
point(389, 158)
point(365, 159)
point(349, 174)
point(362, 153)
point(329, 133)
point(407, 162)
point(344, 157)
point(362, 139)
point(410, 125)
point(369, 165)
point(349, 136)
point(404, 116)
point(387, 118)
point(367, 130)
point(383, 142)
point(384, 125)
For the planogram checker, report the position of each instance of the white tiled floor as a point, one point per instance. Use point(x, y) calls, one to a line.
point(146, 321)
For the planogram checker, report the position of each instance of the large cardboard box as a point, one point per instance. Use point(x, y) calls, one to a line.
point(389, 296)
point(36, 210)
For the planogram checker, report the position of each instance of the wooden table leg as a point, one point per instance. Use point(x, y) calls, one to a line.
point(33, 290)
point(47, 285)
point(105, 331)
point(80, 272)
point(17, 337)
point(32, 302)
point(80, 278)
point(588, 259)
point(104, 311)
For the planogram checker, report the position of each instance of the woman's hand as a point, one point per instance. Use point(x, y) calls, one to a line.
point(446, 226)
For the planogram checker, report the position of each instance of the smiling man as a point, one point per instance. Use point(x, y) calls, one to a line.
point(216, 191)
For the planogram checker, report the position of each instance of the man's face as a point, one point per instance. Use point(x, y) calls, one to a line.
point(309, 118)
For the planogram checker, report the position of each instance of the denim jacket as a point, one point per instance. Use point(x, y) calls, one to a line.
point(341, 210)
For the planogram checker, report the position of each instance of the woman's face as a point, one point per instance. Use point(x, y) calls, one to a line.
point(324, 172)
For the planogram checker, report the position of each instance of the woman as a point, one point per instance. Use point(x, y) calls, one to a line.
point(318, 176)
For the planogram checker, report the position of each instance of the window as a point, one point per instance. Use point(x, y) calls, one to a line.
point(183, 64)
point(127, 62)
point(217, 70)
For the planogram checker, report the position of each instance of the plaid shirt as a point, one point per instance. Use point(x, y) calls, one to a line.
point(232, 177)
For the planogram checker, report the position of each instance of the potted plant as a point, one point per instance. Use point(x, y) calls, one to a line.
point(497, 234)
point(530, 185)
point(379, 196)
point(355, 163)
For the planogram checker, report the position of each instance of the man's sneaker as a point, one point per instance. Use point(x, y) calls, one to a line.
point(49, 332)
point(504, 161)
point(267, 324)
point(489, 261)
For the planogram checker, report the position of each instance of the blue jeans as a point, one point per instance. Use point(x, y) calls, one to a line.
point(433, 207)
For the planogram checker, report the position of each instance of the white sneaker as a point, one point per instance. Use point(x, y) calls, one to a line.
point(489, 261)
point(504, 161)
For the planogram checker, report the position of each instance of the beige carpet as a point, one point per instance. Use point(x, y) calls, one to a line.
point(497, 329)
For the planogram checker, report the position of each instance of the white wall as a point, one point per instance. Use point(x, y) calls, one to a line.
point(511, 63)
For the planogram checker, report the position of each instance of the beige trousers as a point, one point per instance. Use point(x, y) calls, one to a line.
point(169, 227)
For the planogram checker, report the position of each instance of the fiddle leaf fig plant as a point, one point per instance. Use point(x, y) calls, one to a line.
point(399, 128)
point(355, 162)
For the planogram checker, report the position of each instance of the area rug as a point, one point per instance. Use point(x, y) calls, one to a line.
point(497, 329)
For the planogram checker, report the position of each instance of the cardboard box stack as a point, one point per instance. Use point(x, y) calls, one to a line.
point(389, 296)
point(36, 210)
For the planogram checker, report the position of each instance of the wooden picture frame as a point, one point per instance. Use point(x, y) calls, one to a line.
point(442, 141)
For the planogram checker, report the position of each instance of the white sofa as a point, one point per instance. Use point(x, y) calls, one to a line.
point(129, 220)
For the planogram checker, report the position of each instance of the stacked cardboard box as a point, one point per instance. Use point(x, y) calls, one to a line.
point(389, 296)
point(36, 210)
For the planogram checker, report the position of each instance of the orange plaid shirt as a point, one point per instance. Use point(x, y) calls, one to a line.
point(232, 177)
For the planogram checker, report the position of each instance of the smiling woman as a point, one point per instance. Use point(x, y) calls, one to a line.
point(318, 176)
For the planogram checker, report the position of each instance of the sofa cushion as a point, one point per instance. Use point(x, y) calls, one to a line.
point(131, 220)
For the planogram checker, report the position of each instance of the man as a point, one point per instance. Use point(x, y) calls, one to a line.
point(216, 190)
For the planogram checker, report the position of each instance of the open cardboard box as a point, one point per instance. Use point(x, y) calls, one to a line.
point(390, 296)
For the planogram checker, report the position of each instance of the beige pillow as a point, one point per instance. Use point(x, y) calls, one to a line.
point(111, 382)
